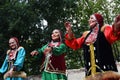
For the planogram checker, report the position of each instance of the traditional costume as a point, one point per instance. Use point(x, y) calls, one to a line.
point(97, 48)
point(53, 65)
point(14, 60)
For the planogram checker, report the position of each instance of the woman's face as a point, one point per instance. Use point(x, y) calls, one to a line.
point(55, 35)
point(92, 21)
point(12, 43)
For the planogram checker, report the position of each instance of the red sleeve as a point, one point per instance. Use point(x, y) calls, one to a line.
point(110, 36)
point(74, 43)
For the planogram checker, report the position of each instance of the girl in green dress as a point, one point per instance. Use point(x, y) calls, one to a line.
point(52, 57)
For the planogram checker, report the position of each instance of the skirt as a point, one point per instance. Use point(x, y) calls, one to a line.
point(53, 76)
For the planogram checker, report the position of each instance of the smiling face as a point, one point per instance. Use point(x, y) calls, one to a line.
point(92, 21)
point(13, 43)
point(55, 35)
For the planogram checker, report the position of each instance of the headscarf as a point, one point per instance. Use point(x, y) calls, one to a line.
point(94, 32)
point(99, 19)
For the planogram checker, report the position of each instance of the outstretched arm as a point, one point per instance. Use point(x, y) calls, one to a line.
point(111, 34)
point(69, 32)
point(70, 40)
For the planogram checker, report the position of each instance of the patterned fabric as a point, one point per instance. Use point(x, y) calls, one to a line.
point(53, 67)
point(102, 49)
point(92, 36)
point(103, 55)
point(18, 63)
point(12, 55)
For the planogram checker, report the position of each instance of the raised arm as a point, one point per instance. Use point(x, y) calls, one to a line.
point(70, 40)
point(112, 32)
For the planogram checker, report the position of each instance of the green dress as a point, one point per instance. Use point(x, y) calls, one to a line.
point(53, 66)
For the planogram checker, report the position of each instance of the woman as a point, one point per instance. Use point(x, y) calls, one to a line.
point(14, 61)
point(96, 44)
point(53, 58)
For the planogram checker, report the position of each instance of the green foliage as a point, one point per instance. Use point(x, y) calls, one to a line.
point(23, 19)
point(74, 62)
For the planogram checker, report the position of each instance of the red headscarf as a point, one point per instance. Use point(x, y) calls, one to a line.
point(99, 19)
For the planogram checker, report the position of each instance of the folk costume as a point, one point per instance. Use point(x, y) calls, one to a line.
point(97, 48)
point(53, 65)
point(14, 60)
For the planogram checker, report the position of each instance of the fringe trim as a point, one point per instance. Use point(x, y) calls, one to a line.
point(21, 74)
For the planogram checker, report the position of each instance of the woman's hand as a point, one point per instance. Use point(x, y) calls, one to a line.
point(69, 30)
point(9, 73)
point(34, 53)
point(117, 27)
point(47, 50)
point(68, 26)
point(116, 24)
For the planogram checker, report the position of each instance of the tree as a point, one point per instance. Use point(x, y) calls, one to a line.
point(24, 19)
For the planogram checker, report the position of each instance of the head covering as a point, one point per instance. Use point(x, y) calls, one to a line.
point(16, 39)
point(99, 19)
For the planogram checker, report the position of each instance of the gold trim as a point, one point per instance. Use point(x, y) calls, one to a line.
point(55, 71)
point(92, 55)
point(93, 64)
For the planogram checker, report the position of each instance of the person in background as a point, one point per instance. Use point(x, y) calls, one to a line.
point(96, 44)
point(14, 61)
point(53, 65)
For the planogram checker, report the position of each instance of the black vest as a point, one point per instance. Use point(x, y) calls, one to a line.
point(103, 55)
